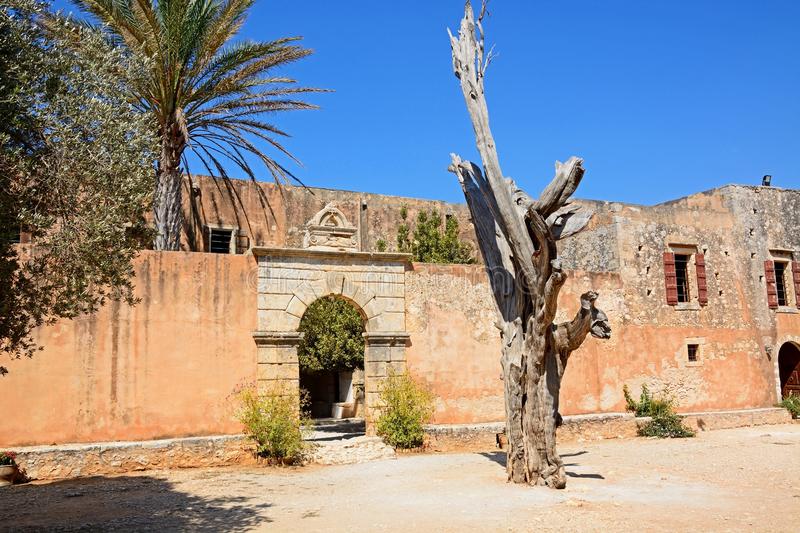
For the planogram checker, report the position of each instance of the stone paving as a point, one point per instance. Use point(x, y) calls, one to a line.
point(742, 479)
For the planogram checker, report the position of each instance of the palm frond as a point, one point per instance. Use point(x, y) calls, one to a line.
point(202, 83)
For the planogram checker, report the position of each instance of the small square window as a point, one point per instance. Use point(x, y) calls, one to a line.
point(691, 352)
point(219, 240)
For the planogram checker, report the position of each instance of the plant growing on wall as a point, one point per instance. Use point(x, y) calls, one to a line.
point(430, 242)
point(517, 237)
point(332, 339)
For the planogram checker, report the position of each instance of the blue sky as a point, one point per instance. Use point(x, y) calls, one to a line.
point(661, 98)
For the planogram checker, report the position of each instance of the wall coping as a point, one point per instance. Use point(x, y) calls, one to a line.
point(133, 444)
point(379, 257)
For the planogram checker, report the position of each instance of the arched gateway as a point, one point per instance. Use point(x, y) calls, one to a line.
point(290, 279)
point(789, 369)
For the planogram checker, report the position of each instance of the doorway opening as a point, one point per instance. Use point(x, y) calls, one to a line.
point(331, 357)
point(789, 369)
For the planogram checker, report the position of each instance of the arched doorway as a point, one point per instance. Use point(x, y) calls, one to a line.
point(789, 369)
point(331, 358)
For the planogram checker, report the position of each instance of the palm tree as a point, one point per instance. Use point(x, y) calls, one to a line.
point(205, 93)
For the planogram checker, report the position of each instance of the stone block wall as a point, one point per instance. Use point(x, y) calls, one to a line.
point(290, 280)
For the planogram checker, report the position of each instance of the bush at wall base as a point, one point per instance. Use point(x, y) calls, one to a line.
point(276, 420)
point(663, 421)
point(406, 407)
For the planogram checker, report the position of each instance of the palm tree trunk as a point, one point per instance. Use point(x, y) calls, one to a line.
point(167, 205)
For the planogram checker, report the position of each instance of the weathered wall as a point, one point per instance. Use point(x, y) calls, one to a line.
point(166, 367)
point(273, 216)
point(456, 350)
point(163, 368)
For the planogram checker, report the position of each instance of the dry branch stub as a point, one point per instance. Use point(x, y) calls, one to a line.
point(517, 238)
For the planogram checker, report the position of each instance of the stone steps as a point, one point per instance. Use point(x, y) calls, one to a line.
point(350, 451)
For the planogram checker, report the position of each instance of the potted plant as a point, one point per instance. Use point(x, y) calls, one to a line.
point(8, 468)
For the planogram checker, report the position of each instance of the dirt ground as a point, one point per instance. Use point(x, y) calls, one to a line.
point(730, 480)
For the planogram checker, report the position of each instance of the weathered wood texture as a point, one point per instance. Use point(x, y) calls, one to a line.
point(517, 238)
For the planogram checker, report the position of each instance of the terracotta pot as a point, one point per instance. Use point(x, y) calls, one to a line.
point(7, 474)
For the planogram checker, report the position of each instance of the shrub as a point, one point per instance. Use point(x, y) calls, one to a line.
point(792, 403)
point(431, 243)
point(276, 420)
point(407, 407)
point(664, 421)
point(8, 458)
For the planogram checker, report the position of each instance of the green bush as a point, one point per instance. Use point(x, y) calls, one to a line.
point(664, 421)
point(431, 243)
point(792, 403)
point(276, 420)
point(407, 407)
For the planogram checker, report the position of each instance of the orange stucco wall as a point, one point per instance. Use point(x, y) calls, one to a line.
point(455, 351)
point(162, 368)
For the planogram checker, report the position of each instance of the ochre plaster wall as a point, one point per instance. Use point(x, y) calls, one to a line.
point(455, 351)
point(163, 368)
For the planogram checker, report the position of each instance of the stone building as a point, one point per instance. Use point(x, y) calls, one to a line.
point(702, 293)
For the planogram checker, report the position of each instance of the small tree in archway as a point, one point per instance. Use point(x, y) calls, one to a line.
point(333, 338)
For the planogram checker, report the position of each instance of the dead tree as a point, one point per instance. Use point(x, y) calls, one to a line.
point(517, 238)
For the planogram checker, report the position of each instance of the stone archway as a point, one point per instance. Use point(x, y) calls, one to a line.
point(789, 369)
point(290, 279)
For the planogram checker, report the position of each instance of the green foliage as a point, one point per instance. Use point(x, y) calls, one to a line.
point(792, 403)
point(205, 92)
point(407, 408)
point(276, 420)
point(431, 244)
point(333, 338)
point(664, 423)
point(381, 245)
point(75, 171)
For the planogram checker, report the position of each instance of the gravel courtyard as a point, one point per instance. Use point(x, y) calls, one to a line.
point(730, 480)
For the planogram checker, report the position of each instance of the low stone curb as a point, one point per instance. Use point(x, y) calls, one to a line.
point(95, 459)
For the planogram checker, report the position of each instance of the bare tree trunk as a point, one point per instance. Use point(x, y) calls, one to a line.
point(516, 237)
point(167, 204)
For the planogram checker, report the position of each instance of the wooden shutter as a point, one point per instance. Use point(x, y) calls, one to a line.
point(796, 278)
point(772, 288)
point(670, 278)
point(702, 285)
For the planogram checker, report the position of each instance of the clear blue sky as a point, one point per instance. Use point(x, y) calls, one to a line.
point(661, 98)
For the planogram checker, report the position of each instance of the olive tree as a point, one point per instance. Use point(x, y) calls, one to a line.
point(75, 172)
point(517, 237)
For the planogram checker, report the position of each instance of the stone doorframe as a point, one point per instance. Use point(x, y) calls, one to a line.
point(290, 279)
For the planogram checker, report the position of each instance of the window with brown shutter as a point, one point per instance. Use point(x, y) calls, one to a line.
point(670, 278)
point(702, 286)
point(772, 289)
point(796, 278)
point(780, 282)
